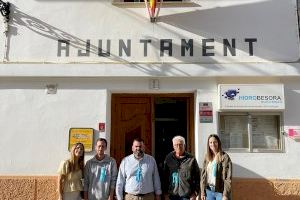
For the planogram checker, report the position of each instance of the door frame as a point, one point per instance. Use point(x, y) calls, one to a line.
point(190, 147)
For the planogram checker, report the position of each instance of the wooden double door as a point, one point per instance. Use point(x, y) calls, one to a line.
point(156, 118)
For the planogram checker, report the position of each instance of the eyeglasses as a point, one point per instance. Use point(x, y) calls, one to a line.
point(178, 145)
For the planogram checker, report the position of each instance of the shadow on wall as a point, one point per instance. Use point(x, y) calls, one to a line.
point(292, 91)
point(259, 188)
point(39, 27)
point(229, 15)
point(234, 20)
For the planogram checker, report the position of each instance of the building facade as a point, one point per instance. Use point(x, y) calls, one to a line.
point(225, 67)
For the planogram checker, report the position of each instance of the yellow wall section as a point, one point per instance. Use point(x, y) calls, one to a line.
point(44, 188)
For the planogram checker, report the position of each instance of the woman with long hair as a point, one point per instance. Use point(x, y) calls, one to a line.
point(70, 180)
point(216, 173)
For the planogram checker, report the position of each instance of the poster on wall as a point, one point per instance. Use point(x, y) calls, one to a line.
point(82, 135)
point(235, 132)
point(206, 112)
point(251, 97)
point(265, 132)
point(293, 132)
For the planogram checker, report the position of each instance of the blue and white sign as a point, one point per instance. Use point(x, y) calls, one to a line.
point(251, 96)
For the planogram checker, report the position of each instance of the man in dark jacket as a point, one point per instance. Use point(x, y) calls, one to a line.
point(181, 173)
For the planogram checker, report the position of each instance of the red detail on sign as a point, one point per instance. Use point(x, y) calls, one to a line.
point(101, 127)
point(206, 113)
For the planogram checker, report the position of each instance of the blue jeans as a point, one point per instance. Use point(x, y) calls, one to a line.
point(210, 195)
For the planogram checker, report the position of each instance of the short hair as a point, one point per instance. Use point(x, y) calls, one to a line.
point(138, 139)
point(101, 140)
point(179, 137)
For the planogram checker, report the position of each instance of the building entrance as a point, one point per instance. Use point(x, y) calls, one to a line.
point(156, 118)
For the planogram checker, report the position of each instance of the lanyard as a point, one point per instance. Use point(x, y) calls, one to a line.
point(138, 174)
point(103, 174)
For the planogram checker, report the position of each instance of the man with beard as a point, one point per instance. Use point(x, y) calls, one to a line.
point(138, 177)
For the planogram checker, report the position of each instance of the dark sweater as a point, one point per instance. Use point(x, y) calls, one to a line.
point(187, 172)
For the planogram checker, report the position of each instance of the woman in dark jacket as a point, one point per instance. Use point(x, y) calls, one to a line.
point(216, 172)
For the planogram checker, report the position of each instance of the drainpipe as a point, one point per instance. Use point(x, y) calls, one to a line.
point(298, 12)
point(4, 10)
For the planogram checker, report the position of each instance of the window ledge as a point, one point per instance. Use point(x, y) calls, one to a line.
point(254, 151)
point(164, 4)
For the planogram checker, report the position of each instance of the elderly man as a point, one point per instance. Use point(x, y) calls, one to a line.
point(181, 173)
point(138, 175)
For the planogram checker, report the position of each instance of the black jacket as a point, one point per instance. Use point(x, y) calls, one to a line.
point(188, 172)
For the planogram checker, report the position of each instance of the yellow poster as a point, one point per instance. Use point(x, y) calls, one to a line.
point(83, 135)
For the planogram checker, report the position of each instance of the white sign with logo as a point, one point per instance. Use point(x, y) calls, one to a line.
point(251, 96)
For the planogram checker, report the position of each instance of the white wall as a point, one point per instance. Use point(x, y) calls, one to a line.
point(36, 25)
point(35, 124)
point(262, 165)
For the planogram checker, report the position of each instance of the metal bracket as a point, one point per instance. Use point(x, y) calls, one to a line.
point(4, 9)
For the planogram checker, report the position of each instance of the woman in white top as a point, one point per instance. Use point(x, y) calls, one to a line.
point(71, 174)
point(216, 173)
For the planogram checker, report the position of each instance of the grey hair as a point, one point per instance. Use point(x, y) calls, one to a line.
point(178, 137)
